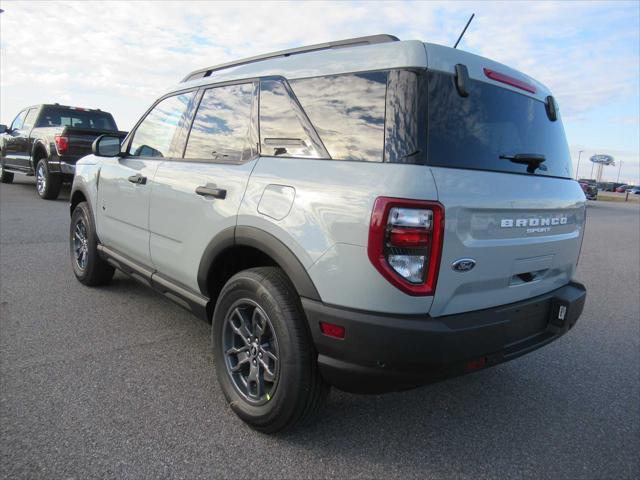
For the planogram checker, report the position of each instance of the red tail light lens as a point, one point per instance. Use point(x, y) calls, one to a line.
point(62, 143)
point(405, 243)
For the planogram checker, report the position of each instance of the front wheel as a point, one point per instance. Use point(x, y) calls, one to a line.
point(87, 265)
point(5, 177)
point(265, 359)
point(47, 184)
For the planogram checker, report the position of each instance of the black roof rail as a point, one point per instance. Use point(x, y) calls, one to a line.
point(351, 42)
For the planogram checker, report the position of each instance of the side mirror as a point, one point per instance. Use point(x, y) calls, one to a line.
point(106, 146)
point(3, 128)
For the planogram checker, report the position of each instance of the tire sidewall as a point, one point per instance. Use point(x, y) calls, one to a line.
point(82, 210)
point(291, 358)
point(5, 177)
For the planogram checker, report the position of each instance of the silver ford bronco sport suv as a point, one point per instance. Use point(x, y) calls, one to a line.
point(371, 214)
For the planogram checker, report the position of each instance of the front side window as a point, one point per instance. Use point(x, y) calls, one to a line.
point(19, 120)
point(348, 112)
point(154, 136)
point(283, 129)
point(221, 128)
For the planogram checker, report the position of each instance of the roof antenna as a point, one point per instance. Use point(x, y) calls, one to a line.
point(464, 30)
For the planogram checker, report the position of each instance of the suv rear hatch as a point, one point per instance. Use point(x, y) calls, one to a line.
point(514, 218)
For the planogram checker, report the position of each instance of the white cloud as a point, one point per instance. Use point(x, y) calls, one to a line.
point(118, 55)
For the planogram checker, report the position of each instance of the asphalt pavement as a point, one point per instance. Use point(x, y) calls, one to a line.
point(118, 382)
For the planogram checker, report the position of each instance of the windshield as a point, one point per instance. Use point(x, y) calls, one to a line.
point(67, 117)
point(474, 132)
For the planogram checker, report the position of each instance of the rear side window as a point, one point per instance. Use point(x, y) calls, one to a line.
point(68, 117)
point(221, 128)
point(473, 132)
point(347, 112)
point(284, 130)
point(154, 136)
point(30, 119)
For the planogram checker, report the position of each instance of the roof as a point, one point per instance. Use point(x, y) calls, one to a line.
point(376, 52)
point(333, 60)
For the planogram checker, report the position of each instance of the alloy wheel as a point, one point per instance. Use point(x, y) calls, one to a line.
point(41, 180)
point(250, 346)
point(80, 244)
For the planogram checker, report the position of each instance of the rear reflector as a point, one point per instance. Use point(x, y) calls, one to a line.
point(514, 82)
point(476, 363)
point(332, 330)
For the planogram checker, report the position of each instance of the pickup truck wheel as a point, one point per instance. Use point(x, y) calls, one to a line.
point(5, 177)
point(47, 184)
point(88, 267)
point(265, 359)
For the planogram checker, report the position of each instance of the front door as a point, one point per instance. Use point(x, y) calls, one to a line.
point(125, 183)
point(14, 140)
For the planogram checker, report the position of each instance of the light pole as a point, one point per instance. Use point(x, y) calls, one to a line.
point(619, 168)
point(578, 167)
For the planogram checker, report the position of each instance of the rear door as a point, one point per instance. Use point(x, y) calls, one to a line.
point(513, 225)
point(125, 183)
point(197, 197)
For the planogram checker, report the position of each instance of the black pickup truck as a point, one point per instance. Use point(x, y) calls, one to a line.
point(47, 141)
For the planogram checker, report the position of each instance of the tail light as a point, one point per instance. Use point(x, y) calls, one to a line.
point(62, 143)
point(405, 243)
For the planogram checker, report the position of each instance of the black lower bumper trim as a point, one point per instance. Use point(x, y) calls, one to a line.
point(383, 353)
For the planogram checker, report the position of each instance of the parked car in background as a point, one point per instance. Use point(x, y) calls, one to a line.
point(635, 191)
point(47, 140)
point(621, 188)
point(301, 203)
point(590, 189)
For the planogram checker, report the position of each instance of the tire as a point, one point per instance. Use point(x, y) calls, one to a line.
point(47, 184)
point(292, 390)
point(88, 267)
point(5, 177)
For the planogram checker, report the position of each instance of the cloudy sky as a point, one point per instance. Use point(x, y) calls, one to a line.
point(118, 56)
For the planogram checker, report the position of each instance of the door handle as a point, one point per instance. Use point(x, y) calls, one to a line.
point(138, 179)
point(205, 191)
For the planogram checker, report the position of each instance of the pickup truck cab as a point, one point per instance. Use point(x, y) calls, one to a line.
point(369, 214)
point(47, 141)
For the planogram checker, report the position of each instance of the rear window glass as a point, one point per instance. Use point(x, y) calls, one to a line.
point(66, 117)
point(348, 113)
point(220, 130)
point(473, 132)
point(283, 129)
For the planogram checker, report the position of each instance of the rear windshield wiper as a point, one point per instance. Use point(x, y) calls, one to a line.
point(532, 160)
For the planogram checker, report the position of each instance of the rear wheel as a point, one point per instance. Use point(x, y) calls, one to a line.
point(88, 267)
point(5, 177)
point(47, 184)
point(265, 359)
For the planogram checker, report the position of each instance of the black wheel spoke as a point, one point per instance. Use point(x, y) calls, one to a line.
point(259, 323)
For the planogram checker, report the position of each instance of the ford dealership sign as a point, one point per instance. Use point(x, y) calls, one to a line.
point(604, 159)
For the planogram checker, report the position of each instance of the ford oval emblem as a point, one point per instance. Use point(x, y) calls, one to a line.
point(463, 265)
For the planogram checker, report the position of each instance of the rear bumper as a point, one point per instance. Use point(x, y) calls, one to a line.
point(383, 353)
